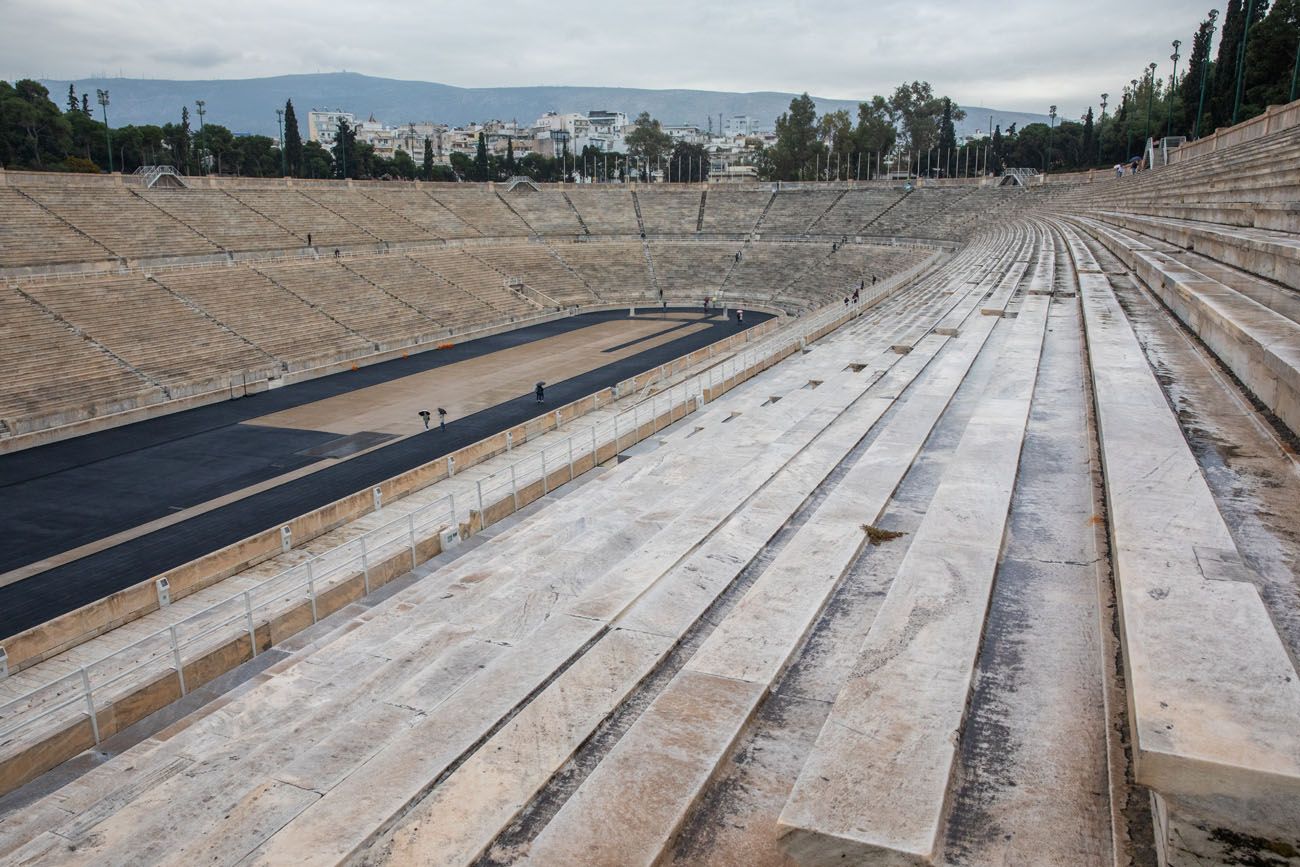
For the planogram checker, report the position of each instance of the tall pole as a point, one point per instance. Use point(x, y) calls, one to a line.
point(279, 116)
point(102, 95)
point(1151, 92)
point(1173, 80)
point(1051, 127)
point(1104, 97)
point(1205, 74)
point(1129, 152)
point(1241, 61)
point(202, 141)
point(1295, 71)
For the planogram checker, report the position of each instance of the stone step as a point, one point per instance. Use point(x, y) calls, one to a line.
point(1260, 346)
point(1263, 252)
point(666, 608)
point(875, 784)
point(1214, 698)
point(746, 652)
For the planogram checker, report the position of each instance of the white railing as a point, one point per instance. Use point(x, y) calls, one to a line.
point(167, 652)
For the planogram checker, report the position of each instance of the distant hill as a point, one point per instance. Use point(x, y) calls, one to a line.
point(248, 105)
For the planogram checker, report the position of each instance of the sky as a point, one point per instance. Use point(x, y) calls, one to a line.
point(1019, 55)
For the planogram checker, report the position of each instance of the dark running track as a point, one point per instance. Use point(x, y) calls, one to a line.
point(58, 497)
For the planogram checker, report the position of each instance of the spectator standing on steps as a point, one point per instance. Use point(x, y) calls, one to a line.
point(309, 239)
point(740, 316)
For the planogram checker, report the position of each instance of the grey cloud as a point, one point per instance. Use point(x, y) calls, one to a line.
point(196, 57)
point(1021, 55)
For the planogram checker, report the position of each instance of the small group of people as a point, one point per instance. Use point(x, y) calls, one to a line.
point(1132, 167)
point(426, 416)
point(857, 293)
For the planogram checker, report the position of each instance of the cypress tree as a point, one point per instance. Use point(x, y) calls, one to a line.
point(292, 141)
point(343, 148)
point(481, 159)
point(1225, 66)
point(428, 159)
point(1089, 146)
point(1271, 58)
point(1190, 88)
point(181, 142)
point(510, 157)
point(947, 132)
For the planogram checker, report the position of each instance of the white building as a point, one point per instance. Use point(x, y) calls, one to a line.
point(741, 125)
point(687, 133)
point(323, 125)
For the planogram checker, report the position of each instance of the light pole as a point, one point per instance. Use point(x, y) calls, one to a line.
point(1129, 152)
point(1205, 74)
point(1051, 116)
point(279, 116)
point(202, 141)
point(1104, 97)
point(102, 96)
point(1295, 70)
point(1151, 92)
point(1173, 80)
point(1241, 60)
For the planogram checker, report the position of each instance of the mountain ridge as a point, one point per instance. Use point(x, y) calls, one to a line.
point(248, 105)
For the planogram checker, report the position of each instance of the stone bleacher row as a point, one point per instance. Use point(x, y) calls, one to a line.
point(44, 224)
point(178, 333)
point(1217, 240)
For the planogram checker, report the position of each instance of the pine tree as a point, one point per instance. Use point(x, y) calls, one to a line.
point(292, 141)
point(428, 159)
point(72, 98)
point(85, 104)
point(797, 153)
point(481, 159)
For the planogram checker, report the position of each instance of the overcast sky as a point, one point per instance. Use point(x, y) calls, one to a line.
point(1021, 55)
